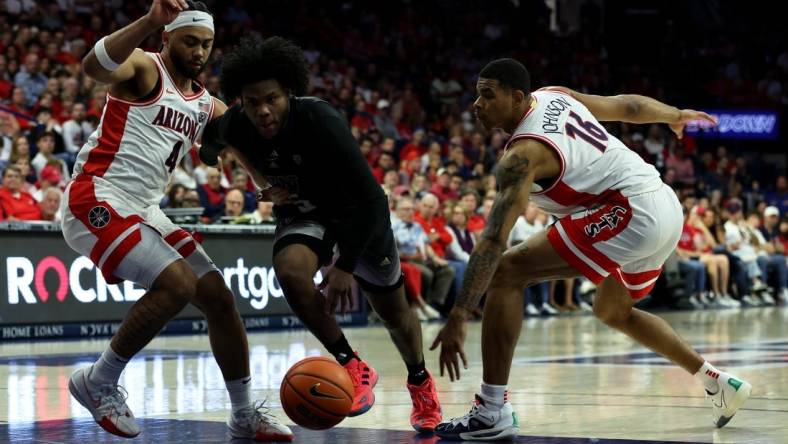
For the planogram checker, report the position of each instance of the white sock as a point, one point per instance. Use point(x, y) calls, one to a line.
point(240, 391)
point(107, 370)
point(708, 376)
point(493, 396)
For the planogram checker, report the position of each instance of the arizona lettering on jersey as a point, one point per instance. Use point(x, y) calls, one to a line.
point(137, 145)
point(596, 167)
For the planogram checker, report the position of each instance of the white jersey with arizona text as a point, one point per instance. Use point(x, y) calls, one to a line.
point(138, 144)
point(596, 167)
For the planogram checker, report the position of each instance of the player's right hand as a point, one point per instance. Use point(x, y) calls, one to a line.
point(689, 115)
point(163, 12)
point(452, 340)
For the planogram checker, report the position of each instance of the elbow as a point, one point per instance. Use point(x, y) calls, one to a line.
point(632, 107)
point(89, 65)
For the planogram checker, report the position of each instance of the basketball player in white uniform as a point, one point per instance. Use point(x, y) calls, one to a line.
point(155, 112)
point(617, 224)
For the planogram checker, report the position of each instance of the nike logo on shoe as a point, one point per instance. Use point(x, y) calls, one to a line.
point(246, 381)
point(722, 403)
point(313, 391)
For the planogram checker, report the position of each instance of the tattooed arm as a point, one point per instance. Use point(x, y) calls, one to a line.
point(524, 162)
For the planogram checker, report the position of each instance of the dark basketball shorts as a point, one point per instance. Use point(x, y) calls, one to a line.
point(378, 269)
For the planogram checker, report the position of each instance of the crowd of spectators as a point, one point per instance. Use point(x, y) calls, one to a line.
point(404, 75)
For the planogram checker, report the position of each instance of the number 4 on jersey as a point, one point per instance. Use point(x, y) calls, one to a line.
point(172, 161)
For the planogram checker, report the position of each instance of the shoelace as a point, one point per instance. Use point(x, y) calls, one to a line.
point(259, 413)
point(112, 398)
point(422, 400)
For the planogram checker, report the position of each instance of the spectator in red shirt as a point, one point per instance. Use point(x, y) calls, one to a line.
point(470, 202)
point(362, 120)
point(682, 165)
point(695, 244)
point(416, 146)
point(385, 163)
point(212, 194)
point(430, 219)
point(19, 106)
point(441, 188)
point(17, 204)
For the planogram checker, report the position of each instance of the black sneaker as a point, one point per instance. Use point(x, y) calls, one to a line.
point(482, 424)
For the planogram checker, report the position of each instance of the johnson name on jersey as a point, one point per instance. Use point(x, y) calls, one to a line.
point(596, 167)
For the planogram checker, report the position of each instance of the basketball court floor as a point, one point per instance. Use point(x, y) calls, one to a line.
point(573, 381)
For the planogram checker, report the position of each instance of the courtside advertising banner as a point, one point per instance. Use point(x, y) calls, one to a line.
point(44, 283)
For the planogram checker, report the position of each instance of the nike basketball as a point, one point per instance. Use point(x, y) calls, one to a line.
point(317, 393)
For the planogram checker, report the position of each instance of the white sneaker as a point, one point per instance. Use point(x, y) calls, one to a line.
point(784, 296)
point(750, 301)
point(548, 309)
point(421, 315)
point(481, 424)
point(767, 298)
point(431, 312)
point(531, 310)
point(585, 306)
point(733, 303)
point(258, 424)
point(704, 299)
point(106, 403)
point(733, 393)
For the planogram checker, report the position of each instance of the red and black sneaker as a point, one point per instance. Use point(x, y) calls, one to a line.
point(364, 379)
point(426, 413)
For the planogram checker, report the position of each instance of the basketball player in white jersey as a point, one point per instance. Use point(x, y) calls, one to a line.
point(617, 224)
point(155, 112)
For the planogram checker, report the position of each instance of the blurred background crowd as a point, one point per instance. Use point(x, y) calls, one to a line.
point(406, 86)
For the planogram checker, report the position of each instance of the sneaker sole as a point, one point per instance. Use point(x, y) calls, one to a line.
point(104, 423)
point(742, 395)
point(505, 434)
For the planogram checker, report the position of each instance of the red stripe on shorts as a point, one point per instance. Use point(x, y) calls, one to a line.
point(82, 199)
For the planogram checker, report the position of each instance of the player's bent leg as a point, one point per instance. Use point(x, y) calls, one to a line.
point(614, 307)
point(492, 417)
point(523, 265)
point(231, 350)
point(226, 331)
point(295, 266)
point(101, 395)
point(405, 331)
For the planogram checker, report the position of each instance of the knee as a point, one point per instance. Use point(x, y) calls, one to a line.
point(611, 315)
point(180, 290)
point(213, 297)
point(293, 282)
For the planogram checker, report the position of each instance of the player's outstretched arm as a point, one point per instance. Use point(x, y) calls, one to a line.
point(115, 58)
point(634, 108)
point(523, 163)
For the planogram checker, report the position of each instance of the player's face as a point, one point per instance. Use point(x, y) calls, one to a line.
point(189, 48)
point(266, 104)
point(494, 105)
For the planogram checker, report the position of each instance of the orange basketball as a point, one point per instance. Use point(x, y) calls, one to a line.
point(317, 393)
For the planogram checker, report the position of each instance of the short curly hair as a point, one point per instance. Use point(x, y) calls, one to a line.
point(255, 60)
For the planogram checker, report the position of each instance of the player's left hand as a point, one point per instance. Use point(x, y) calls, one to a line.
point(686, 116)
point(452, 339)
point(337, 287)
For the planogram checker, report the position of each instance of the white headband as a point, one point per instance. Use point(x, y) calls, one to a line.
point(191, 18)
